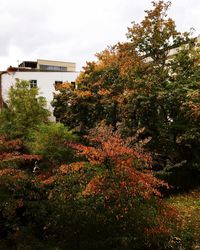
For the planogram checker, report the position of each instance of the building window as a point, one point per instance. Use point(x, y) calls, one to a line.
point(52, 68)
point(73, 84)
point(33, 84)
point(57, 84)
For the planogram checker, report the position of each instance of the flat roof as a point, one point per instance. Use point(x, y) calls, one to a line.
point(48, 60)
point(21, 69)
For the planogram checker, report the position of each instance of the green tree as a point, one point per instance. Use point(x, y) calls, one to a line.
point(163, 92)
point(164, 88)
point(25, 110)
point(152, 39)
point(49, 141)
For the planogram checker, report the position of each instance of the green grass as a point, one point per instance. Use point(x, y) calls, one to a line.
point(188, 206)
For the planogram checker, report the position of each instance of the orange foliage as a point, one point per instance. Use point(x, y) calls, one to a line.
point(65, 85)
point(49, 180)
point(83, 94)
point(103, 92)
point(123, 162)
point(94, 186)
point(11, 151)
point(77, 166)
point(16, 174)
point(10, 145)
point(109, 145)
point(192, 105)
point(20, 157)
point(161, 227)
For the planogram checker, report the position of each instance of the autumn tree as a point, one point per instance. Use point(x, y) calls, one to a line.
point(164, 88)
point(151, 81)
point(122, 86)
point(94, 98)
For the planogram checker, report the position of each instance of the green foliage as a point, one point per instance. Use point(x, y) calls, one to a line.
point(25, 110)
point(49, 141)
point(88, 222)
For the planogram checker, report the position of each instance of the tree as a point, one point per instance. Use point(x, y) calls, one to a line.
point(95, 97)
point(49, 141)
point(25, 110)
point(159, 90)
point(163, 91)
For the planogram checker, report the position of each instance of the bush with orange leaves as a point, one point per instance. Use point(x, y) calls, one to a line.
point(21, 198)
point(112, 200)
point(11, 153)
point(107, 200)
point(125, 160)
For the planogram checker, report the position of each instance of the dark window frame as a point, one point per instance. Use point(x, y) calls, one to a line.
point(33, 83)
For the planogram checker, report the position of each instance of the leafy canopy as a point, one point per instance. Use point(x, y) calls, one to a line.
point(25, 110)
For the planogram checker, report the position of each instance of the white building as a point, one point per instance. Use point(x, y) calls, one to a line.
point(44, 74)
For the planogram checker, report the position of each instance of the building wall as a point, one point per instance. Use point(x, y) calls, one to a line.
point(45, 81)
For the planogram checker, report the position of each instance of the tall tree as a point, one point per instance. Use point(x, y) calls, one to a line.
point(163, 91)
point(163, 80)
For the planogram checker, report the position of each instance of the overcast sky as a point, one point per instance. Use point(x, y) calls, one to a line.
point(74, 30)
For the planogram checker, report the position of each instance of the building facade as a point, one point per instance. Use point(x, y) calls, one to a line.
point(44, 74)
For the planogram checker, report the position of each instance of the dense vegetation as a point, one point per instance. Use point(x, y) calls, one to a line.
point(125, 136)
point(141, 84)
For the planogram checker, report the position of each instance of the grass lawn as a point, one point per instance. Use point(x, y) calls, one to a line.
point(188, 205)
